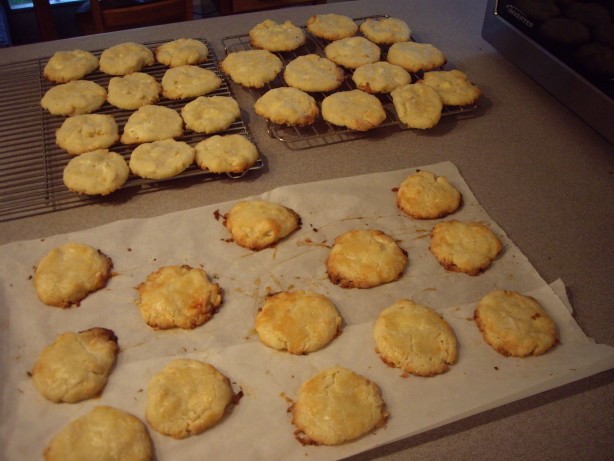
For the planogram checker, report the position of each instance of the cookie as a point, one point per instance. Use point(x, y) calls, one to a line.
point(336, 406)
point(66, 66)
point(178, 297)
point(76, 366)
point(210, 114)
point(380, 77)
point(232, 153)
point(415, 339)
point(181, 52)
point(161, 159)
point(99, 172)
point(133, 91)
point(332, 26)
point(104, 433)
point(424, 195)
point(152, 123)
point(188, 81)
point(313, 73)
point(258, 224)
point(74, 98)
point(125, 58)
point(415, 57)
point(87, 132)
point(385, 31)
point(365, 259)
point(353, 109)
point(272, 36)
point(417, 105)
point(352, 52)
point(69, 273)
point(299, 322)
point(453, 86)
point(251, 68)
point(287, 106)
point(468, 247)
point(186, 398)
point(514, 324)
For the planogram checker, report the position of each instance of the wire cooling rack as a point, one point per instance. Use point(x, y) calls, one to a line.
point(31, 165)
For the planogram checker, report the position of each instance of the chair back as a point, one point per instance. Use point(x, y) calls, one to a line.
point(107, 18)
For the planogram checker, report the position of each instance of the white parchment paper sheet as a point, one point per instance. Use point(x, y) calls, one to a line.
point(259, 426)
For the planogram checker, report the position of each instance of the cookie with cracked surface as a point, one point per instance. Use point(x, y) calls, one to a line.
point(332, 26)
point(210, 114)
point(189, 81)
point(453, 86)
point(273, 36)
point(380, 77)
point(99, 172)
point(161, 159)
point(287, 106)
point(417, 105)
point(87, 132)
point(385, 31)
point(232, 153)
point(125, 58)
point(133, 91)
point(181, 52)
point(425, 195)
point(352, 52)
point(251, 68)
point(66, 66)
point(152, 123)
point(353, 109)
point(415, 57)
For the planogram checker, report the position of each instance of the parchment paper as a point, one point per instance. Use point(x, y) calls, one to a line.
point(259, 427)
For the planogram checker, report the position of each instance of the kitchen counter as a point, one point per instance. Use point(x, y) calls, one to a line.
point(541, 173)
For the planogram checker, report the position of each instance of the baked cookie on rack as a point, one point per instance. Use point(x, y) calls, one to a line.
point(251, 68)
point(453, 86)
point(125, 58)
point(313, 73)
point(417, 105)
point(231, 153)
point(287, 106)
point(152, 123)
point(332, 26)
point(272, 36)
point(415, 57)
point(133, 91)
point(87, 132)
point(425, 195)
point(210, 114)
point(380, 77)
point(74, 98)
point(161, 159)
point(514, 324)
point(99, 172)
point(181, 52)
point(66, 66)
point(353, 109)
point(352, 52)
point(189, 81)
point(385, 31)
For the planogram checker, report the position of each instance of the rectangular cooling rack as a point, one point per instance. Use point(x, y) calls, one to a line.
point(321, 132)
point(31, 165)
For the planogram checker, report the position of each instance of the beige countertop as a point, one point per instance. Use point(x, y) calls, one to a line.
point(540, 172)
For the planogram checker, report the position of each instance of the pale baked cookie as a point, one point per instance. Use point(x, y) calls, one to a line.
point(453, 86)
point(188, 81)
point(186, 398)
point(313, 73)
point(105, 433)
point(299, 322)
point(332, 26)
point(468, 247)
point(76, 366)
point(380, 77)
point(125, 58)
point(353, 109)
point(98, 172)
point(352, 52)
point(210, 114)
point(336, 406)
point(133, 91)
point(66, 66)
point(514, 324)
point(258, 224)
point(417, 105)
point(232, 153)
point(87, 132)
point(385, 31)
point(181, 52)
point(178, 297)
point(161, 159)
point(415, 57)
point(152, 123)
point(287, 106)
point(70, 272)
point(365, 259)
point(251, 68)
point(424, 195)
point(272, 36)
point(415, 339)
point(74, 98)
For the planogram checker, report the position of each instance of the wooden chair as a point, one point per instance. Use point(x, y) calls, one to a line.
point(226, 7)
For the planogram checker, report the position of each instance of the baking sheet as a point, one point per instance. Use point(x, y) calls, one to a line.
point(259, 427)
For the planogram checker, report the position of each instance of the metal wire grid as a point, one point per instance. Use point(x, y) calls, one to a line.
point(31, 165)
point(322, 132)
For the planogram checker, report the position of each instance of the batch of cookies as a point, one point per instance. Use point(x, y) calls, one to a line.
point(152, 129)
point(378, 56)
point(334, 406)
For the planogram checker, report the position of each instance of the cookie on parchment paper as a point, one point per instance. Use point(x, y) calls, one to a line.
point(272, 36)
point(232, 153)
point(133, 91)
point(287, 106)
point(385, 31)
point(453, 86)
point(181, 52)
point(76, 366)
point(152, 123)
point(87, 132)
point(415, 57)
point(336, 406)
point(414, 338)
point(66, 66)
point(417, 105)
point(161, 159)
point(189, 81)
point(98, 172)
point(332, 26)
point(210, 114)
point(352, 52)
point(125, 58)
point(313, 73)
point(380, 77)
point(514, 324)
point(74, 98)
point(353, 109)
point(251, 68)
point(70, 272)
point(425, 195)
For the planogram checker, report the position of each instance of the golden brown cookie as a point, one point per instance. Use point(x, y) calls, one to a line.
point(210, 114)
point(353, 109)
point(183, 82)
point(380, 77)
point(152, 123)
point(133, 91)
point(453, 86)
point(161, 159)
point(313, 73)
point(332, 26)
point(251, 68)
point(385, 31)
point(66, 66)
point(74, 98)
point(181, 52)
point(272, 36)
point(424, 195)
point(87, 132)
point(352, 52)
point(417, 105)
point(125, 58)
point(231, 153)
point(415, 57)
point(287, 106)
point(99, 172)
